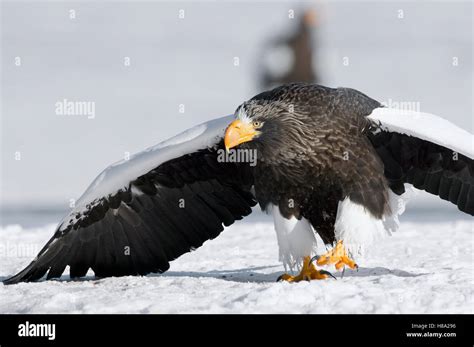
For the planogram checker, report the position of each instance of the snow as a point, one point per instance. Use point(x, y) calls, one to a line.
point(426, 267)
point(118, 175)
point(426, 126)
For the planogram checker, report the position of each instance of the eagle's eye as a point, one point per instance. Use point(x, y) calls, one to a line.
point(256, 124)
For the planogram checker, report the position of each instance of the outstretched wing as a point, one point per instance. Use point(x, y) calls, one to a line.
point(426, 151)
point(140, 214)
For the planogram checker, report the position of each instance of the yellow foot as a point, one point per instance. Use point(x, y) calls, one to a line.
point(308, 273)
point(338, 256)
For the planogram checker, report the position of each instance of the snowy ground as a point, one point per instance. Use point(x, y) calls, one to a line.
point(423, 268)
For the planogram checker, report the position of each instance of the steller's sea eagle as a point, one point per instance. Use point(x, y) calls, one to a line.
point(328, 161)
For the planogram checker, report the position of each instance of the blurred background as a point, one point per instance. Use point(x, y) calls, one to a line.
point(154, 69)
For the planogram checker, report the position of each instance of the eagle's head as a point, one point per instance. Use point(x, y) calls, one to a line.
point(259, 123)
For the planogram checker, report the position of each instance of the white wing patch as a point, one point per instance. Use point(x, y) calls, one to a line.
point(427, 127)
point(358, 228)
point(118, 175)
point(296, 239)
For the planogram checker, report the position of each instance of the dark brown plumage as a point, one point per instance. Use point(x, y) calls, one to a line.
point(314, 151)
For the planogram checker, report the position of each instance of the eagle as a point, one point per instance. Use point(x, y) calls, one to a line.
point(320, 160)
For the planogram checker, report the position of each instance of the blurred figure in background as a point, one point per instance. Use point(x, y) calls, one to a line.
point(288, 59)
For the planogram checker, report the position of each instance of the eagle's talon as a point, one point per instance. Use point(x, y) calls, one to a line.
point(308, 273)
point(324, 272)
point(338, 256)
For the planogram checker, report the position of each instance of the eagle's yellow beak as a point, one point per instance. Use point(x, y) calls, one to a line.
point(238, 132)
